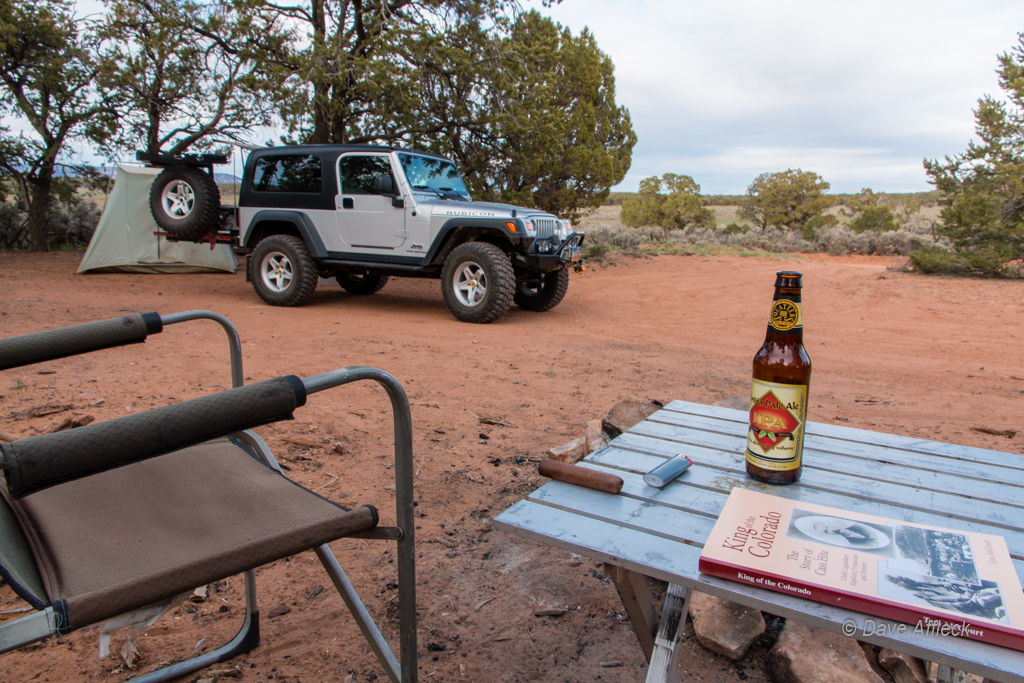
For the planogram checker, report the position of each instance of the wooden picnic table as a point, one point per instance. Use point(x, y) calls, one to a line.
point(660, 532)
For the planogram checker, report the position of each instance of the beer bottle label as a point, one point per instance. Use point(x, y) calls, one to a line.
point(786, 316)
point(775, 438)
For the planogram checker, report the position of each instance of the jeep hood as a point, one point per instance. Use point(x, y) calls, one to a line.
point(481, 209)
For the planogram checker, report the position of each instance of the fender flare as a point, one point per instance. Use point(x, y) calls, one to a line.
point(491, 225)
point(302, 223)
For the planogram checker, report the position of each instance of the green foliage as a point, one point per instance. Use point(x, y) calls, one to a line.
point(936, 261)
point(183, 72)
point(735, 229)
point(47, 78)
point(875, 219)
point(723, 199)
point(983, 188)
point(882, 207)
point(787, 199)
point(678, 208)
point(616, 198)
point(810, 229)
point(531, 116)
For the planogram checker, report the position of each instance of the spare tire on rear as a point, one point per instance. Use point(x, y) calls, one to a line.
point(185, 201)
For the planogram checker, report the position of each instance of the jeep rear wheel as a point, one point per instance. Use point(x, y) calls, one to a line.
point(282, 271)
point(477, 282)
point(544, 293)
point(185, 201)
point(361, 283)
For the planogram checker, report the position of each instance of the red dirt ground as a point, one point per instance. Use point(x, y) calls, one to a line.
point(892, 351)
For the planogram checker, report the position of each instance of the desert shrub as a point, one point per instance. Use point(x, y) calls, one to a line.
point(831, 239)
point(602, 234)
point(13, 226)
point(810, 229)
point(628, 241)
point(72, 226)
point(67, 225)
point(841, 240)
point(932, 259)
point(596, 250)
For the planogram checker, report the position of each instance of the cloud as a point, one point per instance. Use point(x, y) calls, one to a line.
point(859, 92)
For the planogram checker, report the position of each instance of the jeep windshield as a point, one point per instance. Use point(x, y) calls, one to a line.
point(438, 177)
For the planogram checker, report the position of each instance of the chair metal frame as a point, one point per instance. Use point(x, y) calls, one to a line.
point(41, 625)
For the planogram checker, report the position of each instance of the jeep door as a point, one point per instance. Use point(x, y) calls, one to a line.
point(367, 218)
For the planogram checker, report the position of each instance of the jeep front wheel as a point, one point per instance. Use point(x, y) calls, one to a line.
point(282, 271)
point(477, 282)
point(361, 283)
point(544, 293)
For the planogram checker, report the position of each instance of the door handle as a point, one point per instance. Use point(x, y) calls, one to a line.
point(347, 203)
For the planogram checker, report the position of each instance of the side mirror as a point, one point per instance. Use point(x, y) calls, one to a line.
point(383, 184)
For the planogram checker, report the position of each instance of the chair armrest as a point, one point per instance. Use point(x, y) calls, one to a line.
point(68, 341)
point(49, 459)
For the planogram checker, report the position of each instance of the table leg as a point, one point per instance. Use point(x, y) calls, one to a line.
point(662, 667)
point(659, 638)
point(948, 674)
point(636, 598)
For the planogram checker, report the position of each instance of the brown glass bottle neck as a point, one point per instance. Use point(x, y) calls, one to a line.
point(793, 335)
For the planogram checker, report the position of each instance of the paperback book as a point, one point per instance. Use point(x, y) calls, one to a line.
point(933, 580)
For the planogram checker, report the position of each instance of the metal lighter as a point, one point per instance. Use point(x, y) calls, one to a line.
point(667, 471)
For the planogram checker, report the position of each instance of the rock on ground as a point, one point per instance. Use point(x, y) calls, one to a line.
point(571, 452)
point(626, 413)
point(902, 667)
point(595, 436)
point(805, 654)
point(725, 627)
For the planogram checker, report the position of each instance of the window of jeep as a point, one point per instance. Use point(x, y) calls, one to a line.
point(288, 173)
point(434, 176)
point(357, 173)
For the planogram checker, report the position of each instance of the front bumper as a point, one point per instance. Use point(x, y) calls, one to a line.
point(570, 250)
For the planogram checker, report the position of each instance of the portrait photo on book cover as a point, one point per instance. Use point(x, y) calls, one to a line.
point(840, 532)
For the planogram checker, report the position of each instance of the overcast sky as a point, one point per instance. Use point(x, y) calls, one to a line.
point(859, 92)
point(856, 91)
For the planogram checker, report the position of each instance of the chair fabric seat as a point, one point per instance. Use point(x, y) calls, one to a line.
point(128, 537)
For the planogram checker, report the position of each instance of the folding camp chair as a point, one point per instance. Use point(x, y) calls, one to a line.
point(119, 515)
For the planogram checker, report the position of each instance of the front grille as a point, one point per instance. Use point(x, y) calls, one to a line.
point(546, 227)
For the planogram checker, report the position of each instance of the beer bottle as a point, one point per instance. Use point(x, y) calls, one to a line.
point(778, 393)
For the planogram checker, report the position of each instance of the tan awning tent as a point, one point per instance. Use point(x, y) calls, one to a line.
point(124, 240)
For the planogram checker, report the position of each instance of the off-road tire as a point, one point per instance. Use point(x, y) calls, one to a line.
point(286, 253)
point(478, 282)
point(185, 201)
point(548, 294)
point(361, 283)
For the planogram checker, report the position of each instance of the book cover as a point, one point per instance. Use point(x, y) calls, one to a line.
point(935, 581)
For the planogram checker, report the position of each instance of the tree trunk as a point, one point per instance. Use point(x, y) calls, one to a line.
point(321, 87)
point(38, 206)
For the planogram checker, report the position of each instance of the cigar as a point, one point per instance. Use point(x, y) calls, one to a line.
point(581, 476)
